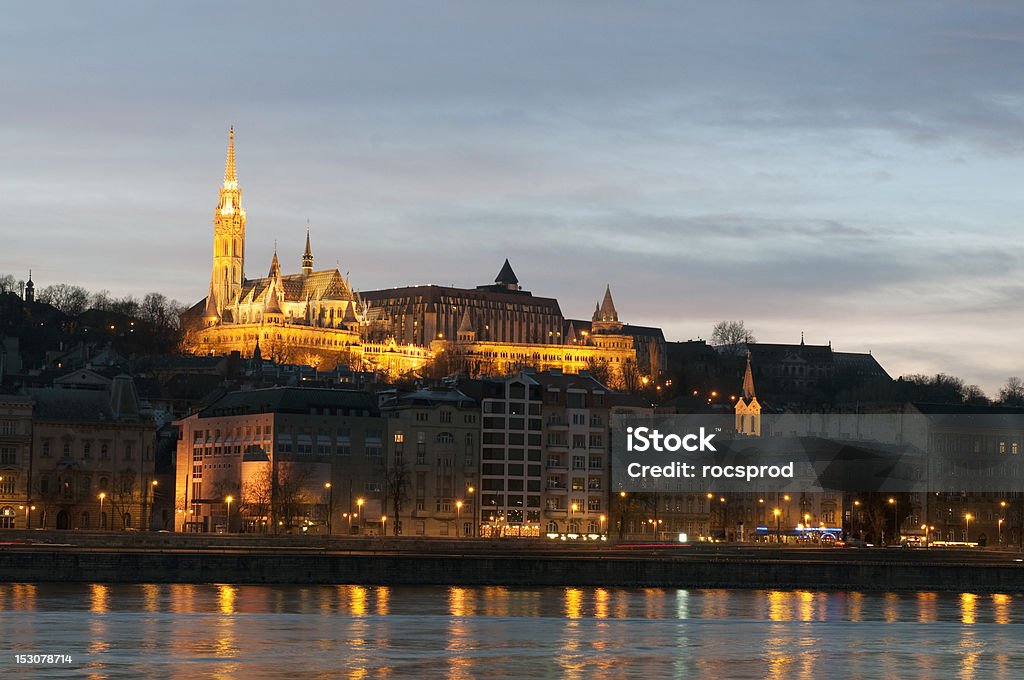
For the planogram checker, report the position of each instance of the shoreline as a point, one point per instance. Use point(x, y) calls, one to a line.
point(487, 563)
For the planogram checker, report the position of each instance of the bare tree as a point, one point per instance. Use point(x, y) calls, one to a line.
point(1012, 393)
point(256, 498)
point(601, 370)
point(730, 334)
point(8, 284)
point(398, 479)
point(72, 300)
point(289, 494)
point(124, 495)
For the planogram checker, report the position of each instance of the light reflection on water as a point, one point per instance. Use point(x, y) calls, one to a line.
point(223, 631)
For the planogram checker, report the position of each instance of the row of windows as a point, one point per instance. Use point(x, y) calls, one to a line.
point(88, 448)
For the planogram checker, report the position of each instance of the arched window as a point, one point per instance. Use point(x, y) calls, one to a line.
point(126, 520)
point(445, 438)
point(552, 527)
point(83, 522)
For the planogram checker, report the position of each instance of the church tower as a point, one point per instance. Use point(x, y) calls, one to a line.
point(748, 410)
point(228, 240)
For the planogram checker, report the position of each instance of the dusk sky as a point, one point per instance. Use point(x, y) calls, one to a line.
point(850, 170)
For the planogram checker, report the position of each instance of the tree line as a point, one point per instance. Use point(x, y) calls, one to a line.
point(72, 300)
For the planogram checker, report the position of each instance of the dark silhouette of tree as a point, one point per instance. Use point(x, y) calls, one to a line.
point(731, 334)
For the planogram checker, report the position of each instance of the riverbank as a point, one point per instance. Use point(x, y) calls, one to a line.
point(479, 562)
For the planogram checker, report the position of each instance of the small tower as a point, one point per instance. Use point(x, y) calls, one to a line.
point(307, 257)
point(30, 288)
point(466, 332)
point(748, 410)
point(606, 319)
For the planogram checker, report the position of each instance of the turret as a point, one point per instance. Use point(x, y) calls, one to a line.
point(228, 236)
point(307, 257)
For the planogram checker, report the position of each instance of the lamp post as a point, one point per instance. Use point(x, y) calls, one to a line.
point(330, 505)
point(853, 517)
point(967, 529)
point(572, 509)
point(229, 500)
point(359, 513)
point(778, 525)
point(152, 502)
point(999, 539)
point(476, 515)
point(601, 519)
point(103, 496)
point(458, 518)
point(383, 522)
point(895, 518)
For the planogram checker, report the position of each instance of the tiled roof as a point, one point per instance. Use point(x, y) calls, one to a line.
point(292, 400)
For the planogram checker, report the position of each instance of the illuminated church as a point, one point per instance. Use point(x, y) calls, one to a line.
point(315, 317)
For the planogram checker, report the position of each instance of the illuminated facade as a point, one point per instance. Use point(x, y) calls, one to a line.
point(316, 318)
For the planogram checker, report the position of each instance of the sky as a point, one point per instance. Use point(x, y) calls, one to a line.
point(851, 171)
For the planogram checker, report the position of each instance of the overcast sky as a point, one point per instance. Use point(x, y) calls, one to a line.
point(850, 170)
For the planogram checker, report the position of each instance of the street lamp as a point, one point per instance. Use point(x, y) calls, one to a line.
point(572, 509)
point(152, 503)
point(778, 525)
point(895, 518)
point(359, 512)
point(229, 500)
point(602, 518)
point(967, 529)
point(383, 522)
point(999, 541)
point(103, 496)
point(853, 517)
point(330, 504)
point(458, 518)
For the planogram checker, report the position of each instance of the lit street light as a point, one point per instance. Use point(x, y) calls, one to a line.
point(359, 513)
point(778, 525)
point(895, 518)
point(458, 518)
point(330, 505)
point(103, 496)
point(967, 529)
point(229, 500)
point(383, 522)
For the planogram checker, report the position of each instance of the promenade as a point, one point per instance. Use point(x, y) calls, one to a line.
point(173, 558)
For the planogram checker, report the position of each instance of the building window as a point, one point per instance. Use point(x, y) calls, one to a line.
point(7, 427)
point(593, 504)
point(46, 448)
point(8, 456)
point(104, 451)
point(86, 449)
point(446, 416)
point(422, 417)
point(579, 462)
point(66, 451)
point(128, 451)
point(7, 484)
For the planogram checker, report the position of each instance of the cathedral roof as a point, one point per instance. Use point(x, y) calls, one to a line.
point(327, 284)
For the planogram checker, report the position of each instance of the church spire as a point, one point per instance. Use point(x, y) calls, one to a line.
point(275, 266)
point(230, 173)
point(748, 381)
point(307, 257)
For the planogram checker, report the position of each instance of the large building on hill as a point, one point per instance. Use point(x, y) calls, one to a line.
point(316, 317)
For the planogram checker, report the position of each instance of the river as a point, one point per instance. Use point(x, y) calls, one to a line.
point(256, 632)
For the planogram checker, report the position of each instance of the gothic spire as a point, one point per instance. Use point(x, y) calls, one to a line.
point(307, 257)
point(230, 173)
point(748, 381)
point(275, 266)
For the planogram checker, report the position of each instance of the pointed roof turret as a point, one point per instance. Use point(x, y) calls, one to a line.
point(570, 336)
point(307, 257)
point(275, 266)
point(466, 325)
point(230, 173)
point(506, 276)
point(748, 381)
point(607, 311)
point(350, 314)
